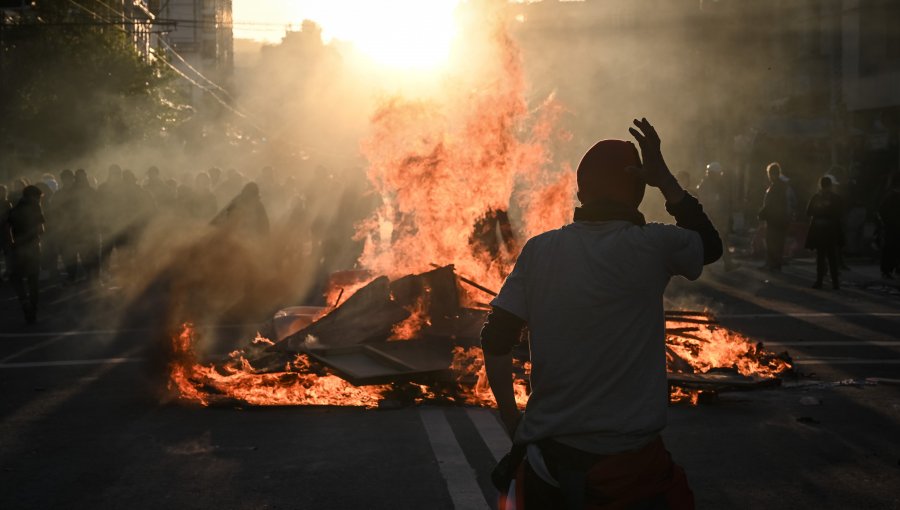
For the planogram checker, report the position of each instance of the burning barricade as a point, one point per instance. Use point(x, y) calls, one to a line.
point(416, 339)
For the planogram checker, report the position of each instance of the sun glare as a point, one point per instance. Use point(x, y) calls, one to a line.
point(398, 33)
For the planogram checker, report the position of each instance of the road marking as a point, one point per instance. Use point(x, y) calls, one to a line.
point(15, 425)
point(67, 363)
point(31, 348)
point(459, 475)
point(803, 315)
point(845, 361)
point(856, 343)
point(491, 431)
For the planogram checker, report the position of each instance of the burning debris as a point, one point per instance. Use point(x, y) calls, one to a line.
point(453, 176)
point(411, 340)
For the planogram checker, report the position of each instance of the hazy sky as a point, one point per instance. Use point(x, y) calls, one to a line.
point(382, 29)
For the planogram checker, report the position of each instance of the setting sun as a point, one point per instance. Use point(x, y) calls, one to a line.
point(396, 33)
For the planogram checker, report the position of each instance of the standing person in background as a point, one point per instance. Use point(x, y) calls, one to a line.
point(109, 209)
point(826, 210)
point(84, 242)
point(26, 225)
point(5, 234)
point(58, 233)
point(714, 192)
point(777, 214)
point(205, 205)
point(889, 212)
point(591, 295)
point(245, 214)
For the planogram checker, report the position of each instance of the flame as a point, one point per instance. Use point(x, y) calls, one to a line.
point(342, 285)
point(410, 327)
point(708, 346)
point(441, 166)
point(238, 382)
point(703, 347)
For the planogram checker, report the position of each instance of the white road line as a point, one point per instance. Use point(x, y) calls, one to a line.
point(855, 343)
point(30, 348)
point(459, 475)
point(67, 363)
point(15, 425)
point(491, 431)
point(804, 315)
point(845, 361)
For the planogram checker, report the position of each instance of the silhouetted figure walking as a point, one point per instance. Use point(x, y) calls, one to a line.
point(26, 224)
point(776, 212)
point(245, 214)
point(826, 210)
point(890, 221)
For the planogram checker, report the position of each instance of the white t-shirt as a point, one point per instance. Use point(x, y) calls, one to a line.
point(592, 294)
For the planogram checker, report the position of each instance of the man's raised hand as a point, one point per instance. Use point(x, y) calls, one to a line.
point(654, 171)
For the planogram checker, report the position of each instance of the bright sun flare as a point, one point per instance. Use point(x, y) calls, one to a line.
point(398, 33)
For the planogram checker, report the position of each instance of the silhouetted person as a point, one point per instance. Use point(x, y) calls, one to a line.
point(591, 295)
point(215, 176)
point(5, 234)
point(26, 225)
point(82, 244)
point(230, 186)
point(110, 207)
point(18, 185)
point(826, 210)
point(889, 212)
point(245, 214)
point(158, 188)
point(714, 192)
point(777, 213)
point(140, 211)
point(205, 205)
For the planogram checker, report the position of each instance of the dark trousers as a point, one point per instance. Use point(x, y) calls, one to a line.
point(827, 255)
point(26, 271)
point(890, 252)
point(775, 235)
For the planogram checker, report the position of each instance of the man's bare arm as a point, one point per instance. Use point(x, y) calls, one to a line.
point(500, 333)
point(500, 376)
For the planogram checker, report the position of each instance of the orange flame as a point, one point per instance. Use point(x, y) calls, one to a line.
point(709, 346)
point(440, 166)
point(410, 327)
point(238, 381)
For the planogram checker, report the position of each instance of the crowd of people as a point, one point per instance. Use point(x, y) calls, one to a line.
point(72, 229)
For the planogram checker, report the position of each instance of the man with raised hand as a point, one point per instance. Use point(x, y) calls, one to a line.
point(591, 295)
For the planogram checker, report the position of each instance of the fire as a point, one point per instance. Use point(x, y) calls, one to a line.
point(409, 328)
point(301, 382)
point(443, 166)
point(708, 346)
point(238, 381)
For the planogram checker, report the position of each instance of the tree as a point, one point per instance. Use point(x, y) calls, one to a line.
point(71, 81)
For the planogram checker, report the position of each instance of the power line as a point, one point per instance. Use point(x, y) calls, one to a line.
point(192, 68)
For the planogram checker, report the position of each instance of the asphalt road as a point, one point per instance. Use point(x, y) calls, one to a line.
point(80, 426)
